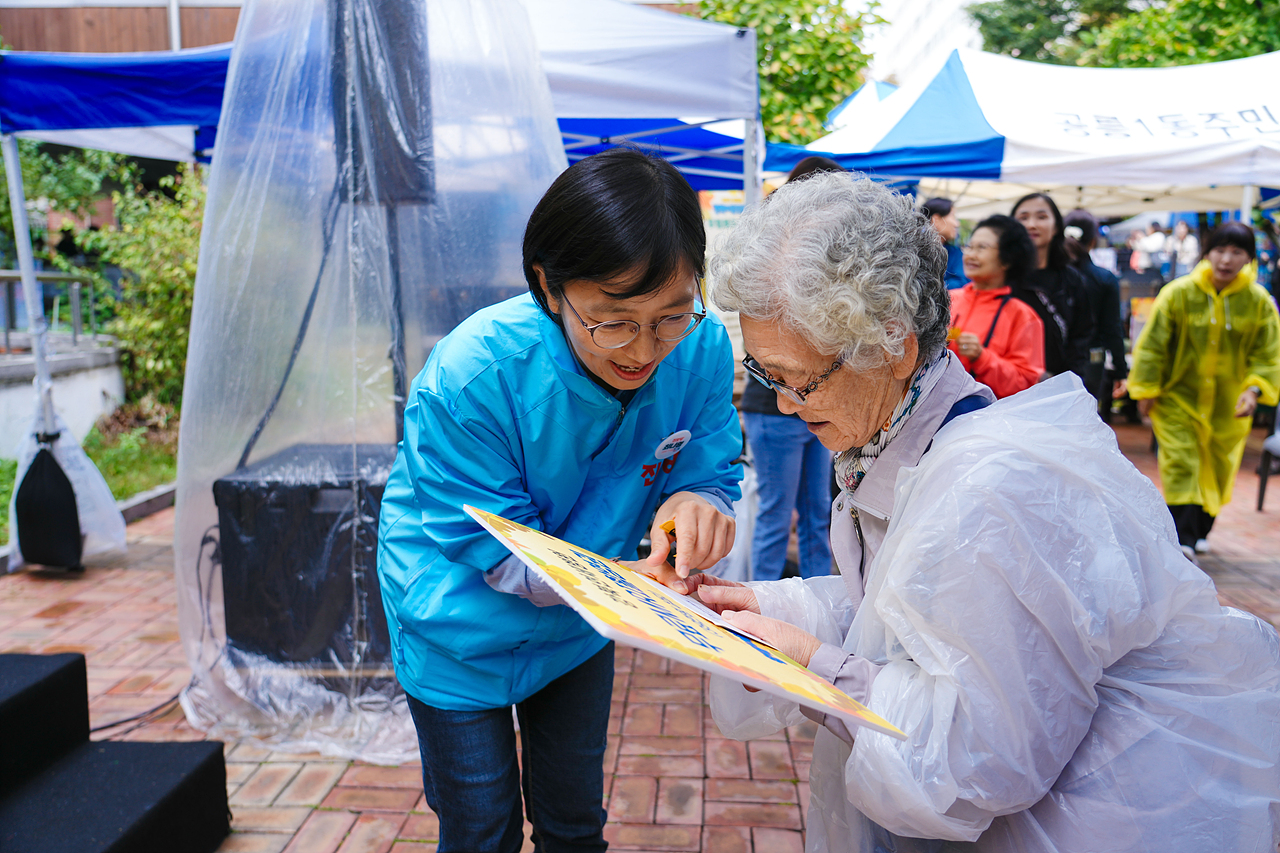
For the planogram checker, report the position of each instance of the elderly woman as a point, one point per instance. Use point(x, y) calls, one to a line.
point(1011, 596)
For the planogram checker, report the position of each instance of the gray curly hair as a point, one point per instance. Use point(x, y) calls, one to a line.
point(845, 263)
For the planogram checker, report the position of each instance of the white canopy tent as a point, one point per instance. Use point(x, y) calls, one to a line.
point(976, 199)
point(987, 129)
point(606, 58)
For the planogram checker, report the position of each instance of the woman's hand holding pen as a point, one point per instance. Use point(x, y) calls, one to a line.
point(705, 537)
point(736, 602)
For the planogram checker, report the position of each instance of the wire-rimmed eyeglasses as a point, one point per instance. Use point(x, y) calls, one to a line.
point(796, 395)
point(616, 334)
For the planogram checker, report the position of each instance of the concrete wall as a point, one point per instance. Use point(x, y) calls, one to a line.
point(86, 385)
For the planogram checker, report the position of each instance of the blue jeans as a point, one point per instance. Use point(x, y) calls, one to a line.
point(473, 783)
point(793, 470)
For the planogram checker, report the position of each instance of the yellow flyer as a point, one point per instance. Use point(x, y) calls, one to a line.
point(631, 609)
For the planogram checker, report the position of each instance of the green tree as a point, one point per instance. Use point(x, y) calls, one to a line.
point(1053, 31)
point(156, 243)
point(810, 58)
point(68, 180)
point(1186, 32)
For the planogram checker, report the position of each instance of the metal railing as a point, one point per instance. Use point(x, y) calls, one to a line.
point(11, 278)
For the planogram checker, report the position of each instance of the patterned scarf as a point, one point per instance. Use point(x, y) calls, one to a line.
point(852, 465)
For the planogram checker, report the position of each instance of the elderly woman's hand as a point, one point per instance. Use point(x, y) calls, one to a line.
point(703, 534)
point(795, 643)
point(721, 595)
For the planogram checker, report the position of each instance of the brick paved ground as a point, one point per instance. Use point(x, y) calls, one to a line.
point(1245, 561)
point(674, 784)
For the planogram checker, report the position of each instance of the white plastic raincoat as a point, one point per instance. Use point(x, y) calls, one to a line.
point(1068, 681)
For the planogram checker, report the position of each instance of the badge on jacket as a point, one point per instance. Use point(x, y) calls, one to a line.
point(668, 449)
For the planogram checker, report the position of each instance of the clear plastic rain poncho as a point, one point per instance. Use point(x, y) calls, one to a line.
point(375, 165)
point(1066, 678)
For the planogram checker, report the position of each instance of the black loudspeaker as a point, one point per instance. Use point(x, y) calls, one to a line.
point(382, 102)
point(299, 538)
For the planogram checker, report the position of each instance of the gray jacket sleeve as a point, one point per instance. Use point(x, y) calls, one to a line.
point(850, 674)
point(513, 577)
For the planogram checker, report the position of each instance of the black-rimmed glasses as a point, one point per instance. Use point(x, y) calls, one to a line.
point(616, 334)
point(796, 395)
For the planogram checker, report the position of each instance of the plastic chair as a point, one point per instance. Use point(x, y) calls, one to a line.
point(1270, 450)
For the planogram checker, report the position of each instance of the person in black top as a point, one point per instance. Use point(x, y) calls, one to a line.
point(1103, 291)
point(1055, 289)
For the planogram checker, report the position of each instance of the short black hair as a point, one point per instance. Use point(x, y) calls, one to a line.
point(1017, 252)
point(611, 214)
point(936, 207)
point(1232, 234)
point(1058, 257)
point(813, 165)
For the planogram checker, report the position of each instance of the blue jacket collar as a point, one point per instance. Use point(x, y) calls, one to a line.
point(575, 377)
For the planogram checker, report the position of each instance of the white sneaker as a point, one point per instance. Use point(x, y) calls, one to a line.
point(1203, 546)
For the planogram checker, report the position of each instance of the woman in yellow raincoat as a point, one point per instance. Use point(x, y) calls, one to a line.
point(1208, 355)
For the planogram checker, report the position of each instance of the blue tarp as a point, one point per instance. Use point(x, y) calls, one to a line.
point(708, 160)
point(79, 91)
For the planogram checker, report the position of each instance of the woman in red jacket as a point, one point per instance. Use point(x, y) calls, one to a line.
point(999, 339)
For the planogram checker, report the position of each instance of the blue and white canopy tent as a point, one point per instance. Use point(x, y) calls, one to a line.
point(163, 105)
point(680, 87)
point(155, 105)
point(867, 96)
point(987, 129)
point(619, 74)
point(61, 497)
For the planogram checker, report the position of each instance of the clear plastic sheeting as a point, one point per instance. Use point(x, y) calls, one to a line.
point(376, 164)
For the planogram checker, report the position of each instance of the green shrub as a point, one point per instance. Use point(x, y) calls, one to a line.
point(809, 54)
point(129, 463)
point(156, 244)
point(69, 181)
point(135, 447)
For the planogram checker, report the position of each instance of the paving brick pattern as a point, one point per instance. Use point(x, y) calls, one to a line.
point(673, 783)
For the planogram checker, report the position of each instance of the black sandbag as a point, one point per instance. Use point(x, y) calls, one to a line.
point(48, 521)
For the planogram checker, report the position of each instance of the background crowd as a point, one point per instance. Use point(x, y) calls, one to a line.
point(1035, 294)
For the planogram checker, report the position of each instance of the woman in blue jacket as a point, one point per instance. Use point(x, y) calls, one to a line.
point(595, 408)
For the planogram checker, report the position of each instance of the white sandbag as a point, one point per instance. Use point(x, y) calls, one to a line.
point(101, 523)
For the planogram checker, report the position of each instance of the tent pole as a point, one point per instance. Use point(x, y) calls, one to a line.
point(31, 292)
point(175, 26)
point(751, 189)
point(1246, 205)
